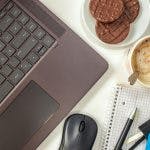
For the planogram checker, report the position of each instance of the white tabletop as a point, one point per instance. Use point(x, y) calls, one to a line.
point(96, 101)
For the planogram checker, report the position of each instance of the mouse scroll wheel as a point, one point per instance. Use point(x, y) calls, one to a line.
point(82, 126)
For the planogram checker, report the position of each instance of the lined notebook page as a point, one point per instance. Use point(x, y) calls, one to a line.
point(126, 98)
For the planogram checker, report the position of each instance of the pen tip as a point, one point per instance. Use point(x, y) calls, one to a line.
point(133, 114)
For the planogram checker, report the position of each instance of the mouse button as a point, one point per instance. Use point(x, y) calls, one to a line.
point(72, 130)
point(91, 124)
point(82, 126)
point(90, 121)
point(75, 119)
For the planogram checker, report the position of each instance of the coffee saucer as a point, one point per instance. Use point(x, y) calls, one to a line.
point(138, 27)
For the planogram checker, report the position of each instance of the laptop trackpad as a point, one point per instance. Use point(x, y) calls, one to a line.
point(28, 112)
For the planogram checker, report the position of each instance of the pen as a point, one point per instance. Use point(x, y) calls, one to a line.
point(125, 131)
point(137, 143)
point(144, 132)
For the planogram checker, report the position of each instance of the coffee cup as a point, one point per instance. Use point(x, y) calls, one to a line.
point(139, 62)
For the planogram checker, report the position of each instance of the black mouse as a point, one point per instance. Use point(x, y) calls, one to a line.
point(79, 133)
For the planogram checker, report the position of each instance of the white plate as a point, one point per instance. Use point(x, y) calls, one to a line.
point(138, 27)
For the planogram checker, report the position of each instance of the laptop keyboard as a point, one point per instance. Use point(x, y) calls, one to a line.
point(22, 43)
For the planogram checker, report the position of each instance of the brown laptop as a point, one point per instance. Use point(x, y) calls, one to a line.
point(45, 70)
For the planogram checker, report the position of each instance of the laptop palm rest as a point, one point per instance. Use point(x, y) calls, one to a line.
point(28, 112)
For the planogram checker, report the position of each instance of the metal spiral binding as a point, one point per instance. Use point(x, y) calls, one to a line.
point(110, 121)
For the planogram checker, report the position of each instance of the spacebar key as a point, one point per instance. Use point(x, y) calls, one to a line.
point(5, 89)
point(26, 47)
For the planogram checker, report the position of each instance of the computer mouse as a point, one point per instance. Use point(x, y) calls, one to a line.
point(79, 133)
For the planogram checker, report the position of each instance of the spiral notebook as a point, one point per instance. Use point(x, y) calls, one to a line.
point(125, 99)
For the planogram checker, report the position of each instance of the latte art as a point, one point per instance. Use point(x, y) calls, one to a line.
point(142, 61)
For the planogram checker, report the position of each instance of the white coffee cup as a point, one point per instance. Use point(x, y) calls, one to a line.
point(130, 57)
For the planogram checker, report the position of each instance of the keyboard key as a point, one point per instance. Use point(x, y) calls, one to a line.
point(15, 11)
point(39, 33)
point(16, 76)
point(33, 58)
point(26, 47)
point(6, 70)
point(3, 59)
point(2, 13)
point(15, 28)
point(31, 26)
point(9, 51)
point(23, 18)
point(7, 37)
point(25, 66)
point(42, 51)
point(23, 35)
point(5, 88)
point(48, 40)
point(2, 45)
point(5, 23)
point(0, 33)
point(38, 47)
point(9, 6)
point(14, 62)
point(2, 79)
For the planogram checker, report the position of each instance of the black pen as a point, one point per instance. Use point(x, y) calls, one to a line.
point(125, 131)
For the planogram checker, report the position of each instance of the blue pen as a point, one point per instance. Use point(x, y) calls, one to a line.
point(148, 143)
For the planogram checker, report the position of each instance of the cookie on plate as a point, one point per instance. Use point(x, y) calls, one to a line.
point(132, 8)
point(106, 10)
point(114, 32)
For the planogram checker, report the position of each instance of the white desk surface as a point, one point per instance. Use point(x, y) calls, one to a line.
point(96, 101)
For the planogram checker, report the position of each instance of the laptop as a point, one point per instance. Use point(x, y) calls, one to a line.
point(45, 70)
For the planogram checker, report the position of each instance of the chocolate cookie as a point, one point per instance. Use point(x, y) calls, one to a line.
point(106, 10)
point(114, 32)
point(132, 8)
